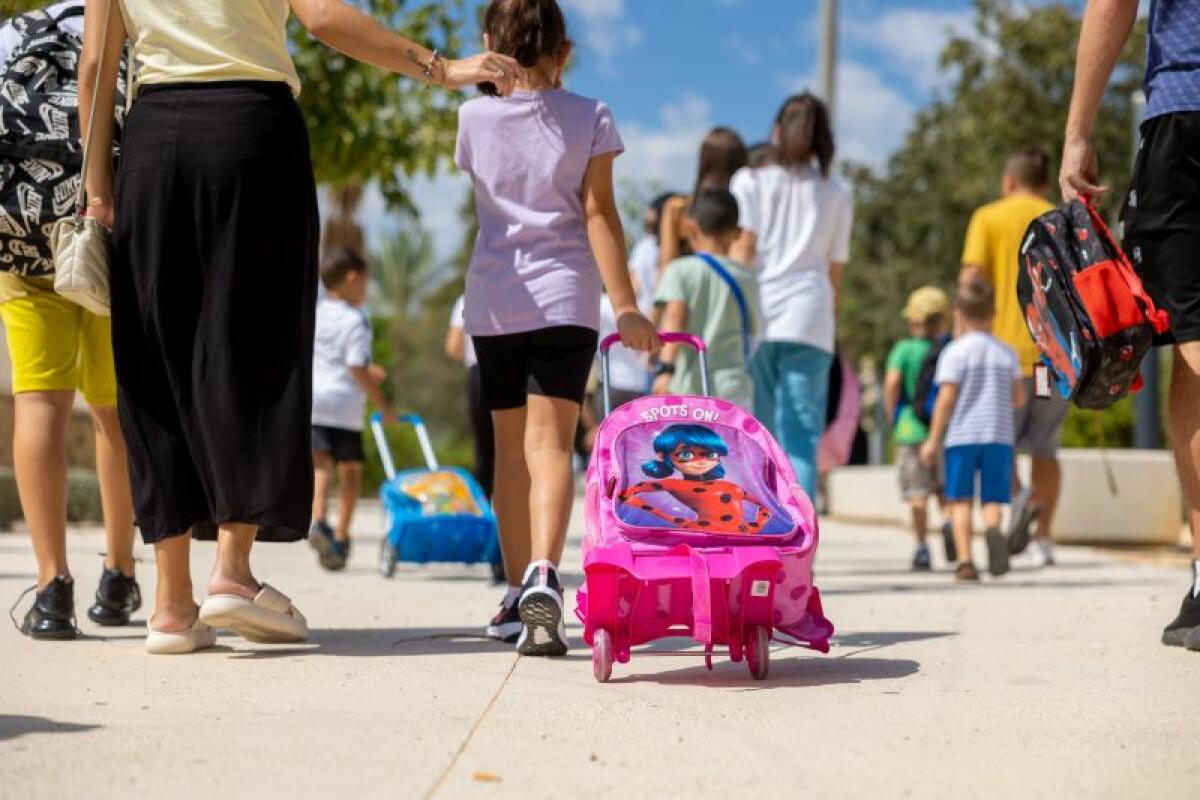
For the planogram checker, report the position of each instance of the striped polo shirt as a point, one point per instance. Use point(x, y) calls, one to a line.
point(985, 369)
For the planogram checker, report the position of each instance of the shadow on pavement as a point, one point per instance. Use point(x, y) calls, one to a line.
point(1016, 582)
point(368, 642)
point(785, 673)
point(13, 726)
point(877, 639)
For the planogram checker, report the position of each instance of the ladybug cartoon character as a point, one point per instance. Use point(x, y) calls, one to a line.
point(695, 453)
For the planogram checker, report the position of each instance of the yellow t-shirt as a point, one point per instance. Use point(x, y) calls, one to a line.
point(201, 41)
point(993, 244)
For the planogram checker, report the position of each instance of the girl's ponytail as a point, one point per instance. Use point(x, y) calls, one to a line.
point(527, 30)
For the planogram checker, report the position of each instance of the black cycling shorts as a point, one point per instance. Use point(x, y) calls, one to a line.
point(345, 446)
point(1162, 220)
point(551, 362)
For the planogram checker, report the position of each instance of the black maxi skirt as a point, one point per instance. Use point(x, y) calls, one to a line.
point(214, 286)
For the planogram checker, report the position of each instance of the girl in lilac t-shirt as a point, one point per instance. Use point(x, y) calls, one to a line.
point(549, 238)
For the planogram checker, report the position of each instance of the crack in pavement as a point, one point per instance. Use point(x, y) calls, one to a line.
point(462, 747)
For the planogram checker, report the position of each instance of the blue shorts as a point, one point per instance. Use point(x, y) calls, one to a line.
point(993, 463)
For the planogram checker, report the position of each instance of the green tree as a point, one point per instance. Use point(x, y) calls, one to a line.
point(1010, 84)
point(369, 126)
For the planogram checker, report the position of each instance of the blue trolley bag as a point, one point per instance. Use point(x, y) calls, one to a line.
point(432, 514)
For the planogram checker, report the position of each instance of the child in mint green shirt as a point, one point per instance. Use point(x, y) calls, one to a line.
point(697, 298)
point(927, 313)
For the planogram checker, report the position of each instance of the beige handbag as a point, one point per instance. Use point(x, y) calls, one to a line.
point(82, 246)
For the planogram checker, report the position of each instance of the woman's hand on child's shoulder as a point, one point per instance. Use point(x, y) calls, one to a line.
point(501, 71)
point(637, 332)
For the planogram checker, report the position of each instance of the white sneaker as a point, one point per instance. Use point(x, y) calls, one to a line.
point(1046, 548)
point(1029, 561)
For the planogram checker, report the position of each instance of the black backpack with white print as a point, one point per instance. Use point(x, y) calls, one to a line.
point(40, 149)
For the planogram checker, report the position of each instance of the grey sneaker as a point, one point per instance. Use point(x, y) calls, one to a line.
point(541, 612)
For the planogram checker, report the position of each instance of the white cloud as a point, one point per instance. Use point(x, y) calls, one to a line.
point(872, 117)
point(605, 30)
point(666, 154)
point(913, 38)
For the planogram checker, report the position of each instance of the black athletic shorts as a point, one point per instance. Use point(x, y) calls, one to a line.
point(343, 444)
point(1162, 220)
point(551, 362)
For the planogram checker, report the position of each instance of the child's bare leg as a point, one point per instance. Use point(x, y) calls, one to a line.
point(960, 519)
point(549, 435)
point(510, 497)
point(920, 518)
point(349, 487)
point(116, 497)
point(322, 477)
point(992, 513)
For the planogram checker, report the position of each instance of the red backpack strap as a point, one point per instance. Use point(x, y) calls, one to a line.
point(1159, 319)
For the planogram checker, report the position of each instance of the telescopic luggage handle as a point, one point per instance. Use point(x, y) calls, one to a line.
point(676, 338)
point(385, 453)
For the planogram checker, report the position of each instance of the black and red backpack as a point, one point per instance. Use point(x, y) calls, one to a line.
point(1086, 308)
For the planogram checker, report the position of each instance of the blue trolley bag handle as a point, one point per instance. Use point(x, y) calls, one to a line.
point(738, 297)
point(385, 453)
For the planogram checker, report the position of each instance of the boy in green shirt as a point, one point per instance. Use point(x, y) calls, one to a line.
point(697, 296)
point(927, 313)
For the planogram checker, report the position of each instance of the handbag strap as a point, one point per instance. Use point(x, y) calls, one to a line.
point(738, 296)
point(81, 195)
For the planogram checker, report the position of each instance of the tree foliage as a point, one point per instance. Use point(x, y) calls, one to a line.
point(1009, 85)
point(367, 125)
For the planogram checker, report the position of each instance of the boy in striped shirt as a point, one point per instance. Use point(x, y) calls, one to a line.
point(980, 382)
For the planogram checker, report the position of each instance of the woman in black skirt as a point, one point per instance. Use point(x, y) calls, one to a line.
point(214, 280)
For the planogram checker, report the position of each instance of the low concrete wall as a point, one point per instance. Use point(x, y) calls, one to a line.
point(1147, 508)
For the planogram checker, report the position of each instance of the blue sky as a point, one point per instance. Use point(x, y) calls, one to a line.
point(671, 69)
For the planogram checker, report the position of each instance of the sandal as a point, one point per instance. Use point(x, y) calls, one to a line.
point(966, 573)
point(197, 637)
point(270, 618)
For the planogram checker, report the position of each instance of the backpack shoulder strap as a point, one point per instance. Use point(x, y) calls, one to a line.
point(738, 295)
point(68, 13)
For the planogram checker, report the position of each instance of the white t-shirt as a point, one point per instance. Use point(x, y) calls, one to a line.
point(343, 341)
point(626, 367)
point(985, 370)
point(457, 321)
point(9, 38)
point(802, 221)
point(643, 266)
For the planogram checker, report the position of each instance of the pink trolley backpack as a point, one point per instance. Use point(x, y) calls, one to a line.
point(695, 526)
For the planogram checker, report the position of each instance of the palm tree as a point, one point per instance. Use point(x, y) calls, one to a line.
point(404, 272)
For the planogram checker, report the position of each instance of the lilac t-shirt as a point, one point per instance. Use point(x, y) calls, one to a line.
point(532, 266)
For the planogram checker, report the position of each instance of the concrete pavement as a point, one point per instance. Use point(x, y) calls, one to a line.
point(1045, 684)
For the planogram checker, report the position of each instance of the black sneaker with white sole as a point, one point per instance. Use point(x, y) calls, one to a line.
point(506, 625)
point(544, 630)
point(117, 597)
point(1187, 621)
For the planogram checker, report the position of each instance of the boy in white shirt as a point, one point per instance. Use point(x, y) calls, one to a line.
point(343, 379)
point(979, 383)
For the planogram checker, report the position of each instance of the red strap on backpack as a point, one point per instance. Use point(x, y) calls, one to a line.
point(1159, 319)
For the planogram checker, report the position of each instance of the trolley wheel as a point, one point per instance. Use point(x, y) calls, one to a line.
point(387, 558)
point(758, 652)
point(602, 655)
